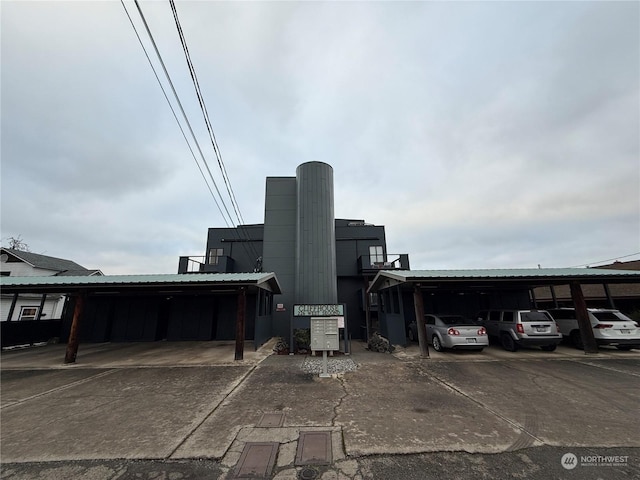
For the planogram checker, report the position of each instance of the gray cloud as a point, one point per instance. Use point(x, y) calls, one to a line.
point(482, 134)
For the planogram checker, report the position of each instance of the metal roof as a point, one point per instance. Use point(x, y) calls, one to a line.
point(517, 277)
point(267, 281)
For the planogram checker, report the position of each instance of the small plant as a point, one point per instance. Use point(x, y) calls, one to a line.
point(302, 338)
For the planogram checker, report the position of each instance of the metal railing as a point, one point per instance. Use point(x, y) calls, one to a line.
point(198, 264)
point(388, 261)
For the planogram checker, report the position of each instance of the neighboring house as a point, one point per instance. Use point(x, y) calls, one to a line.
point(17, 263)
point(625, 297)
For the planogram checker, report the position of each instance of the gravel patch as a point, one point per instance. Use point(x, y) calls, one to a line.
point(334, 365)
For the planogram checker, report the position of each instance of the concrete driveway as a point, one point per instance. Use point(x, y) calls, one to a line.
point(188, 403)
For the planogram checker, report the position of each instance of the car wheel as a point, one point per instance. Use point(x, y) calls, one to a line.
point(437, 345)
point(508, 343)
point(411, 336)
point(548, 348)
point(624, 347)
point(576, 339)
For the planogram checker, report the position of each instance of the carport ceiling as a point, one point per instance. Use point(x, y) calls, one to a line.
point(503, 278)
point(149, 284)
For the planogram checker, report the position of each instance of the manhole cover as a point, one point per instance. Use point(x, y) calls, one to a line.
point(271, 420)
point(308, 473)
point(314, 448)
point(257, 460)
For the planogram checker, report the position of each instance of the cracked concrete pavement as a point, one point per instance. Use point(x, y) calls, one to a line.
point(136, 410)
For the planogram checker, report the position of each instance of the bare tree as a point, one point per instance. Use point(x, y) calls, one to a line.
point(16, 243)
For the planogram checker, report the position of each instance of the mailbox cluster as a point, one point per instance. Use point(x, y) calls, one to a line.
point(324, 334)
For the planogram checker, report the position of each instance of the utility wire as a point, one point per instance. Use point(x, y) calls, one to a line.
point(184, 135)
point(186, 119)
point(214, 143)
point(607, 260)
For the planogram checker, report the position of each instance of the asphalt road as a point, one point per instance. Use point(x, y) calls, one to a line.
point(150, 412)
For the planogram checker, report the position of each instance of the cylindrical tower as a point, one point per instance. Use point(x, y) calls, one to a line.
point(316, 279)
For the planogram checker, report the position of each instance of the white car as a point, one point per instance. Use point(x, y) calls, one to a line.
point(610, 327)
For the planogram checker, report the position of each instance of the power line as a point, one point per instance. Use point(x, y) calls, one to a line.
point(607, 260)
point(207, 121)
point(184, 115)
point(172, 110)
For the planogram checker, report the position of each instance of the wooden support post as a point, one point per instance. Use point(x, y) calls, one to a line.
point(367, 310)
point(74, 337)
point(42, 302)
point(422, 329)
point(534, 300)
point(240, 322)
point(12, 307)
point(582, 315)
point(553, 296)
point(609, 297)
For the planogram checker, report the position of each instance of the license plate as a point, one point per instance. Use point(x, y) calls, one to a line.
point(625, 331)
point(471, 340)
point(541, 329)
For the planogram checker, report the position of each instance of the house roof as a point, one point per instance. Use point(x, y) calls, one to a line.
point(179, 283)
point(529, 277)
point(45, 262)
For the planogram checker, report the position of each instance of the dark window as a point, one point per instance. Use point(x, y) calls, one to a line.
point(214, 255)
point(535, 317)
point(455, 320)
point(494, 315)
point(507, 316)
point(608, 316)
point(376, 255)
point(430, 320)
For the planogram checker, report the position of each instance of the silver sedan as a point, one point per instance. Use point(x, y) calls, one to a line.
point(452, 331)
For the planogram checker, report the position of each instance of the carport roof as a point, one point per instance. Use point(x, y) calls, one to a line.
point(106, 283)
point(523, 277)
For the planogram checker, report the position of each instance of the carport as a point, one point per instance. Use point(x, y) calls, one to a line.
point(404, 296)
point(208, 306)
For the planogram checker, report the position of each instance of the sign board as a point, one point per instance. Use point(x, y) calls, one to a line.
point(324, 333)
point(318, 310)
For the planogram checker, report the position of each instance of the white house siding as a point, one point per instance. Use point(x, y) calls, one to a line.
point(52, 308)
point(21, 269)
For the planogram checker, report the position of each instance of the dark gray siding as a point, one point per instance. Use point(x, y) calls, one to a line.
point(279, 245)
point(234, 245)
point(315, 235)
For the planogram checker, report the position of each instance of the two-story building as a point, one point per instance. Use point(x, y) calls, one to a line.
point(317, 258)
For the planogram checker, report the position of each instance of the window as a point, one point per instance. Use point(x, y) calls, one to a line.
point(28, 313)
point(507, 316)
point(214, 255)
point(430, 320)
point(376, 254)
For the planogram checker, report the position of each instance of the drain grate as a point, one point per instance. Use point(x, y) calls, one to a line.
point(314, 448)
point(271, 420)
point(257, 460)
point(308, 473)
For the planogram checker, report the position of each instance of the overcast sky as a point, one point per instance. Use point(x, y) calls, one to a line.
point(481, 134)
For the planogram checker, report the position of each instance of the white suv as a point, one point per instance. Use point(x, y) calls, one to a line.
point(610, 327)
point(517, 328)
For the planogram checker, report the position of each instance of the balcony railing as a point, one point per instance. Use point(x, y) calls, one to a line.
point(198, 264)
point(389, 261)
